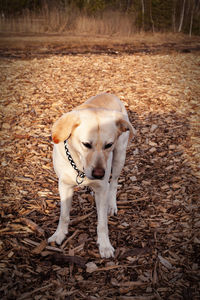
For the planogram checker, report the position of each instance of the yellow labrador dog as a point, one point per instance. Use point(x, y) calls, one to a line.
point(90, 144)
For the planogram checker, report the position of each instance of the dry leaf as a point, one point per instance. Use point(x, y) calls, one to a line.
point(91, 267)
point(165, 262)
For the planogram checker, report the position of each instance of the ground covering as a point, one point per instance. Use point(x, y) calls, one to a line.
point(156, 231)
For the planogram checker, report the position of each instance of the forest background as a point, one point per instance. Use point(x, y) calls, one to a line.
point(100, 17)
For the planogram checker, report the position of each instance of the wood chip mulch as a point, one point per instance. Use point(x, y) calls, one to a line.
point(156, 233)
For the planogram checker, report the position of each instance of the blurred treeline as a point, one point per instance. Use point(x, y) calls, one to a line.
point(141, 15)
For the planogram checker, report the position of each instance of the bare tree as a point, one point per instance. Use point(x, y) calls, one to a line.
point(194, 9)
point(192, 17)
point(174, 16)
point(142, 2)
point(182, 17)
point(151, 17)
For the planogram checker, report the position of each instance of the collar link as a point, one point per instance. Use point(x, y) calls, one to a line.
point(80, 175)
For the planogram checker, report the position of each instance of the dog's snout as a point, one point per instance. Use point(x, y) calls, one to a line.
point(98, 173)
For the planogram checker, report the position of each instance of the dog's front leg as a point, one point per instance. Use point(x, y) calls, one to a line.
point(101, 197)
point(66, 193)
point(119, 156)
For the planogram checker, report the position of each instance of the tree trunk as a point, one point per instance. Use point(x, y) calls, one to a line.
point(174, 16)
point(182, 17)
point(151, 18)
point(142, 2)
point(191, 19)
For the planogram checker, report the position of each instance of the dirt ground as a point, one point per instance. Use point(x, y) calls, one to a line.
point(30, 46)
point(156, 232)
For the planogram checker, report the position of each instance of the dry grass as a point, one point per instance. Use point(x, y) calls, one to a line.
point(110, 23)
point(54, 31)
point(51, 21)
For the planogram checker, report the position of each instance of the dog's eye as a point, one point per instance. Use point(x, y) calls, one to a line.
point(87, 145)
point(107, 146)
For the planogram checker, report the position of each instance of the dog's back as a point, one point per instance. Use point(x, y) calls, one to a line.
point(104, 101)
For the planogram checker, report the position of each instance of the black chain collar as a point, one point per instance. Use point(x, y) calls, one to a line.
point(81, 175)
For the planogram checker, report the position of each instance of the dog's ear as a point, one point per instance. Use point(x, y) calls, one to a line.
point(123, 125)
point(63, 127)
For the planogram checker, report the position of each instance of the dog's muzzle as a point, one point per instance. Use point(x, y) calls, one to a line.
point(98, 173)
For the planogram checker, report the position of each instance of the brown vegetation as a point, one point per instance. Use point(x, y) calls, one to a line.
point(111, 23)
point(100, 17)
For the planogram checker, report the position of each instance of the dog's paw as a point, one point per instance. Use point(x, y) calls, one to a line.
point(57, 237)
point(112, 209)
point(106, 251)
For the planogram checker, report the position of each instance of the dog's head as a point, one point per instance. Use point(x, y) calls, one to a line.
point(91, 134)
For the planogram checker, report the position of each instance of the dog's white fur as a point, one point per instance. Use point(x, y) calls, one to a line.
point(97, 134)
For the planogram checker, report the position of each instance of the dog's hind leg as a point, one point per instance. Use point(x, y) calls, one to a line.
point(66, 193)
point(119, 156)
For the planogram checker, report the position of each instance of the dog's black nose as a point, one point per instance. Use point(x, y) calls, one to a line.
point(98, 173)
